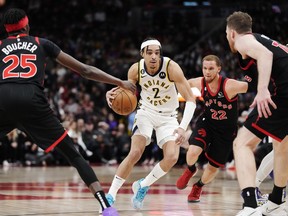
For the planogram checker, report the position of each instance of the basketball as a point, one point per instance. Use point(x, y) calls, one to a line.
point(125, 102)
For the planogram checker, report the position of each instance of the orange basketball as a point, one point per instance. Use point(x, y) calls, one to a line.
point(124, 103)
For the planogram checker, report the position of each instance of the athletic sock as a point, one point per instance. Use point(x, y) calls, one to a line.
point(153, 176)
point(100, 196)
point(192, 168)
point(200, 183)
point(249, 196)
point(115, 186)
point(278, 195)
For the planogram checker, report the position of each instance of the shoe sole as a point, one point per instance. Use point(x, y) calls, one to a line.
point(193, 201)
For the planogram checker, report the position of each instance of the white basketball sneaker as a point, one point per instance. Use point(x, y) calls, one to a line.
point(272, 209)
point(248, 211)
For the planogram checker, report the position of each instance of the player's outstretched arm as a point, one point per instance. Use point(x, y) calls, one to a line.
point(91, 72)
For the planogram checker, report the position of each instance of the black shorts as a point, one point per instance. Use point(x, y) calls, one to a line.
point(217, 142)
point(25, 106)
point(275, 126)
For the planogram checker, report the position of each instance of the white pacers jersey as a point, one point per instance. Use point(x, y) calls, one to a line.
point(158, 93)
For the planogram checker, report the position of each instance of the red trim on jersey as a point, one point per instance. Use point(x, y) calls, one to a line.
point(219, 85)
point(210, 159)
point(37, 40)
point(17, 26)
point(251, 62)
point(266, 132)
point(17, 36)
point(51, 147)
point(201, 140)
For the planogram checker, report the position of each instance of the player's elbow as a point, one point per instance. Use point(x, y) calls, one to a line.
point(86, 72)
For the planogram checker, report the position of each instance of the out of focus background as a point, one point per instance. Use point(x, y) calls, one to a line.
point(108, 34)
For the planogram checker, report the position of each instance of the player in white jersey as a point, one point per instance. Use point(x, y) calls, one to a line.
point(158, 77)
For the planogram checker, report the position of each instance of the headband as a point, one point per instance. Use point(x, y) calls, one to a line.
point(17, 26)
point(150, 42)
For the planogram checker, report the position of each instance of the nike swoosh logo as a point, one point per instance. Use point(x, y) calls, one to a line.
point(270, 210)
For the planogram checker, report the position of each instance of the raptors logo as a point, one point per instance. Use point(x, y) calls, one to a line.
point(202, 132)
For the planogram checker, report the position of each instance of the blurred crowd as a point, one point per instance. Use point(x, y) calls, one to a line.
point(107, 34)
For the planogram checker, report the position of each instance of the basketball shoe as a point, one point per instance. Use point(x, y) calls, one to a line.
point(183, 180)
point(139, 194)
point(110, 212)
point(272, 209)
point(195, 194)
point(248, 211)
point(261, 198)
point(110, 200)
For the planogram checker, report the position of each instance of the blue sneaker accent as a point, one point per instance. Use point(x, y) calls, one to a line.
point(110, 199)
point(139, 194)
point(110, 212)
point(261, 198)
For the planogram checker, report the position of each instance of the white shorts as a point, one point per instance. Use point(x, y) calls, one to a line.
point(163, 124)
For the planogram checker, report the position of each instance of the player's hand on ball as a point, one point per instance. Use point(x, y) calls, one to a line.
point(179, 133)
point(110, 96)
point(129, 86)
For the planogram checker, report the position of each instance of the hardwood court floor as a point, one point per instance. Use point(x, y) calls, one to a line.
point(59, 191)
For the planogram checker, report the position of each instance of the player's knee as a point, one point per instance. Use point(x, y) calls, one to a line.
point(134, 155)
point(171, 158)
point(192, 154)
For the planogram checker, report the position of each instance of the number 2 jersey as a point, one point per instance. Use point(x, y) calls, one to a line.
point(158, 92)
point(23, 59)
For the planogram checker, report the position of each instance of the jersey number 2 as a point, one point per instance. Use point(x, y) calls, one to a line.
point(25, 61)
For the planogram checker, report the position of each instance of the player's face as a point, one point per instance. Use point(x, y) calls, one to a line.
point(230, 37)
point(210, 71)
point(152, 56)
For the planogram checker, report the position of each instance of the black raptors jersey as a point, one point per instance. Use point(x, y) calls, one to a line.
point(24, 59)
point(278, 85)
point(220, 111)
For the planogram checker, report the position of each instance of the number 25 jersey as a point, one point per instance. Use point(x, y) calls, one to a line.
point(23, 59)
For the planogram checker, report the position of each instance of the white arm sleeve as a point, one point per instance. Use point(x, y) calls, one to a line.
point(188, 114)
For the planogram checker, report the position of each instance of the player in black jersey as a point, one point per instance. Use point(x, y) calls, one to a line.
point(23, 104)
point(217, 126)
point(268, 59)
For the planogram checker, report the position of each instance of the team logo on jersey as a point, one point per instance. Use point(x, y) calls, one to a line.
point(162, 75)
point(247, 78)
point(202, 132)
point(220, 95)
point(143, 74)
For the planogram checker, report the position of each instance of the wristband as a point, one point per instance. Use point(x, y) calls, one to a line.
point(188, 114)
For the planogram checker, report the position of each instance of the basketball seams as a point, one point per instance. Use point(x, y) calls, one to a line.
point(128, 96)
point(123, 102)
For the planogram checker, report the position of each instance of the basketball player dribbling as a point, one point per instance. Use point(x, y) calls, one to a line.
point(158, 77)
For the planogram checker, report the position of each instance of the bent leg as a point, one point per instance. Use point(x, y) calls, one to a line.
point(137, 148)
point(209, 174)
point(192, 154)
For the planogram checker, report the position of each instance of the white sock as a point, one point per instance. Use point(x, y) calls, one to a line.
point(153, 176)
point(115, 186)
point(265, 168)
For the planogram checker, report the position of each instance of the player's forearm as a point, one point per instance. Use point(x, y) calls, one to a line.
point(264, 71)
point(97, 74)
